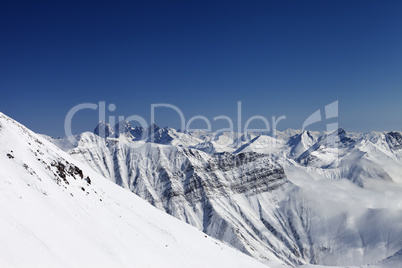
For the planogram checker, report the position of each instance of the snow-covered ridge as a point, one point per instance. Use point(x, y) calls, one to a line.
point(57, 212)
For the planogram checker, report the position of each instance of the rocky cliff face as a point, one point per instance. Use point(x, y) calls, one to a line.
point(195, 186)
point(394, 140)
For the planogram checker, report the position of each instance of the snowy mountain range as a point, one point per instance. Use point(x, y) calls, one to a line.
point(293, 198)
point(288, 199)
point(55, 211)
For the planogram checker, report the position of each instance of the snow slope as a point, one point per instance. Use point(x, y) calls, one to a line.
point(57, 212)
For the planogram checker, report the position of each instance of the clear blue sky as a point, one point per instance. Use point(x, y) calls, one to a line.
point(277, 57)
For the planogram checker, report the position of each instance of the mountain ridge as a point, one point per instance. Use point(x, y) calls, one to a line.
point(195, 178)
point(57, 212)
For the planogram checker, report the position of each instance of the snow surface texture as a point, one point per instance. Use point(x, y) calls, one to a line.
point(57, 212)
point(295, 198)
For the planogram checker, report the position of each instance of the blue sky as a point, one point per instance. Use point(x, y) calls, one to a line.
point(276, 57)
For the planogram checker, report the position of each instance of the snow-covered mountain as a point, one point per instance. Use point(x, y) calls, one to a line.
point(295, 198)
point(57, 212)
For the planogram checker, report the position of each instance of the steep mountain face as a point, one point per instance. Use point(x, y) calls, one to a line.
point(302, 197)
point(300, 143)
point(122, 127)
point(193, 186)
point(57, 212)
point(394, 139)
point(103, 130)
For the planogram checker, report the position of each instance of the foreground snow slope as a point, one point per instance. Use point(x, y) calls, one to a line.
point(56, 212)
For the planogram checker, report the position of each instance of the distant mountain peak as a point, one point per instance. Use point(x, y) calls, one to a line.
point(122, 127)
point(103, 129)
point(341, 131)
point(394, 140)
point(154, 126)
